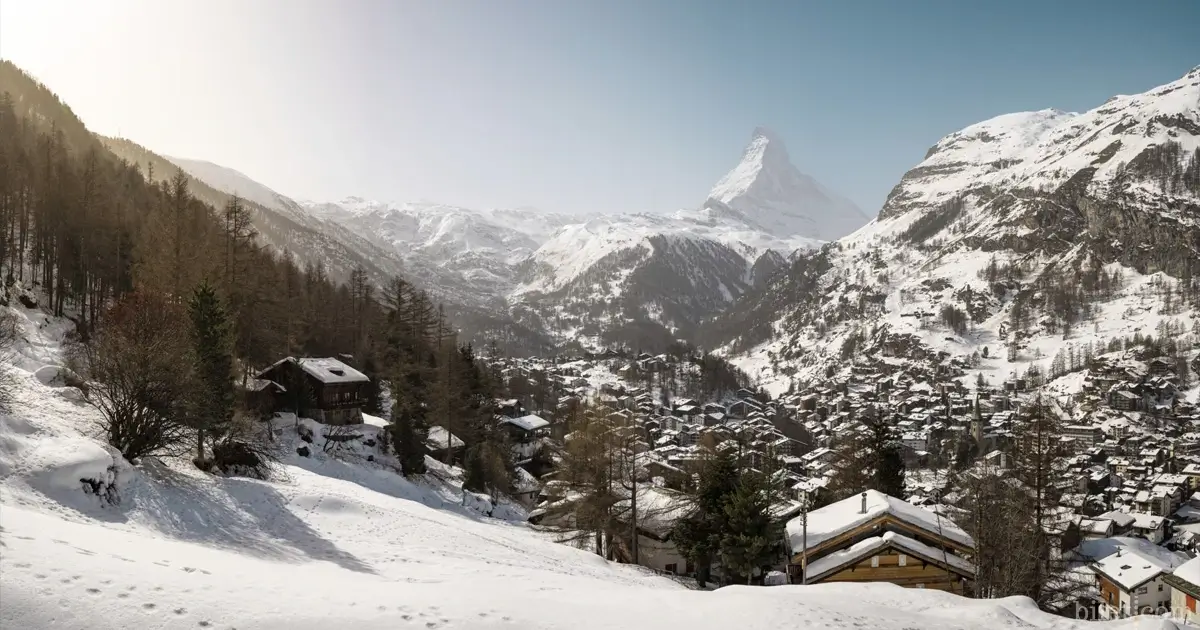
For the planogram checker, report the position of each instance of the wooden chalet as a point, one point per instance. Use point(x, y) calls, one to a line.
point(323, 389)
point(873, 537)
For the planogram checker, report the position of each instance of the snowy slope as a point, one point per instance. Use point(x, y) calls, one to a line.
point(1056, 197)
point(1042, 150)
point(767, 191)
point(333, 544)
point(233, 182)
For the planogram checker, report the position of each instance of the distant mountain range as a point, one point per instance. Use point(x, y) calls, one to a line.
point(633, 279)
point(991, 250)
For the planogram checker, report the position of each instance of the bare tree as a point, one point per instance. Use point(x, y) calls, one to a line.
point(139, 376)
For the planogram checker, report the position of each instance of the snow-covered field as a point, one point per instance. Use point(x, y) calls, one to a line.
point(335, 544)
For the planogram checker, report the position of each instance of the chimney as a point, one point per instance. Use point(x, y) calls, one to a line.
point(1118, 552)
point(864, 503)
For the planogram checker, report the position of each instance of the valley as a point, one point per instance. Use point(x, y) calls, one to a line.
point(224, 407)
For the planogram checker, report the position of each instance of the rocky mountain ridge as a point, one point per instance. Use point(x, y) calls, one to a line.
point(1015, 239)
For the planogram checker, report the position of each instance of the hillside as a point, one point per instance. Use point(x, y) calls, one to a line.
point(334, 543)
point(1014, 240)
point(280, 225)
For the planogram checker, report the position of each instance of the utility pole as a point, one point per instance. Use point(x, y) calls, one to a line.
point(804, 539)
point(633, 534)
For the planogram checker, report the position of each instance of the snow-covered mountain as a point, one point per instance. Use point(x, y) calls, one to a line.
point(647, 279)
point(1014, 239)
point(619, 278)
point(476, 251)
point(765, 190)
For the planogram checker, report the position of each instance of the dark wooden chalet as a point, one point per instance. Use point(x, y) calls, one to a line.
point(323, 389)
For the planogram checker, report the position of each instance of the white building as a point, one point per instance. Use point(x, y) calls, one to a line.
point(1131, 583)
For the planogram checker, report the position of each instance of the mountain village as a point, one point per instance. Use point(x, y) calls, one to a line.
point(833, 408)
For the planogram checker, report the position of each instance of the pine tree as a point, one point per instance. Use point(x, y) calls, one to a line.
point(213, 352)
point(698, 535)
point(751, 538)
point(409, 426)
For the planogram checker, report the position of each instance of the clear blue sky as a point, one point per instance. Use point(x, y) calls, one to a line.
point(573, 105)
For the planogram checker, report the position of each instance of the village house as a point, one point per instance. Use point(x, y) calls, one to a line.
point(657, 513)
point(323, 389)
point(873, 537)
point(1131, 583)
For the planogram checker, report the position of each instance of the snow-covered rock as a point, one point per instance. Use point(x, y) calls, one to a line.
point(767, 191)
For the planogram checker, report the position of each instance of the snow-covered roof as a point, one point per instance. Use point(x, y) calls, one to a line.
point(837, 518)
point(1129, 569)
point(871, 546)
point(1189, 571)
point(1121, 519)
point(259, 384)
point(330, 370)
point(326, 370)
point(1104, 547)
point(525, 482)
point(530, 422)
point(658, 509)
point(438, 438)
point(374, 421)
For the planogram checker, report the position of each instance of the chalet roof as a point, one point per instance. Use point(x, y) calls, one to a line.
point(326, 370)
point(439, 438)
point(530, 422)
point(840, 517)
point(259, 384)
point(872, 546)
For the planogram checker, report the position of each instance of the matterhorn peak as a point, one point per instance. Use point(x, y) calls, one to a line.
point(773, 194)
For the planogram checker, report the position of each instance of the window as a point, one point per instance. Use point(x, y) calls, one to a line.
point(671, 568)
point(1160, 588)
point(874, 561)
point(1142, 591)
point(903, 560)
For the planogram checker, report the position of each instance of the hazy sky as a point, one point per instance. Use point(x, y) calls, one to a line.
point(573, 105)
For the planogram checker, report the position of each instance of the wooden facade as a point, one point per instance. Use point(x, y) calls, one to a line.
point(902, 568)
point(905, 554)
point(877, 527)
point(325, 390)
